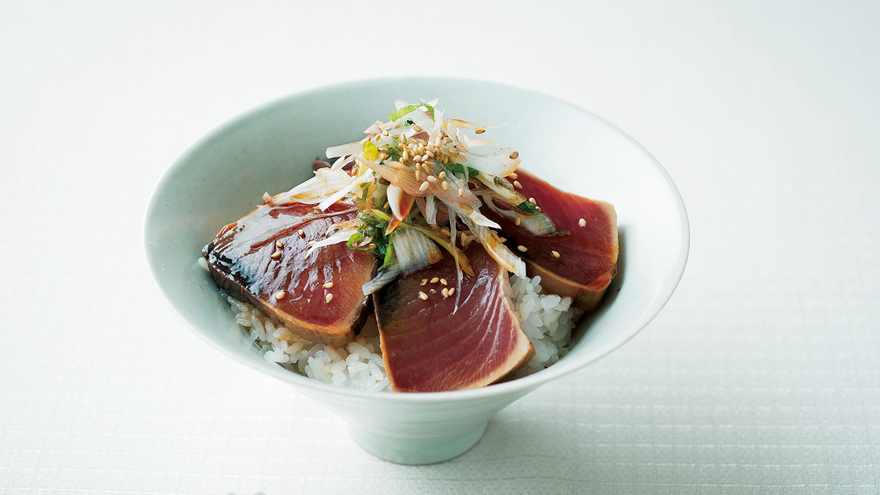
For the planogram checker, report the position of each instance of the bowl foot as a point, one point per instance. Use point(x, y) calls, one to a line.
point(401, 448)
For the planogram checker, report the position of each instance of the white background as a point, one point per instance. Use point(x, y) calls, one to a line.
point(761, 375)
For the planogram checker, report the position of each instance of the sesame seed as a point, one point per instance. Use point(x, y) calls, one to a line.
point(311, 243)
point(431, 178)
point(441, 175)
point(451, 290)
point(328, 285)
point(428, 153)
point(518, 220)
point(443, 281)
point(302, 233)
point(513, 175)
point(403, 138)
point(517, 185)
point(445, 293)
point(532, 201)
point(582, 222)
point(275, 255)
point(424, 281)
point(372, 245)
point(460, 192)
point(417, 128)
point(423, 296)
point(445, 185)
point(463, 157)
point(514, 155)
point(435, 280)
point(329, 297)
point(278, 244)
point(405, 155)
point(418, 174)
point(433, 291)
point(555, 254)
point(522, 248)
point(424, 186)
point(480, 131)
point(417, 158)
point(280, 294)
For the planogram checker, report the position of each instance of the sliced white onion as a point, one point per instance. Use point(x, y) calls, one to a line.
point(496, 249)
point(479, 219)
point(536, 223)
point(393, 193)
point(342, 162)
point(430, 210)
point(325, 182)
point(418, 117)
point(345, 149)
point(356, 181)
point(499, 163)
point(340, 236)
point(480, 142)
point(414, 250)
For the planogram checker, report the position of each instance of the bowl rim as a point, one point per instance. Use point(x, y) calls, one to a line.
point(520, 385)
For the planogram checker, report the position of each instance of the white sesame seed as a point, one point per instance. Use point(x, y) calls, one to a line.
point(435, 280)
point(416, 128)
point(555, 254)
point(480, 131)
point(451, 290)
point(278, 244)
point(442, 175)
point(517, 185)
point(582, 222)
point(445, 293)
point(329, 297)
point(514, 155)
point(522, 248)
point(518, 220)
point(302, 233)
point(460, 192)
point(445, 185)
point(431, 178)
point(443, 281)
point(424, 186)
point(280, 294)
point(532, 201)
point(275, 255)
point(328, 285)
point(423, 296)
point(424, 281)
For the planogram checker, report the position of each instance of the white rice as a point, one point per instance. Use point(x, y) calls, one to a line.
point(547, 320)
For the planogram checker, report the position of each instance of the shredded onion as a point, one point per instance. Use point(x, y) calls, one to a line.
point(414, 250)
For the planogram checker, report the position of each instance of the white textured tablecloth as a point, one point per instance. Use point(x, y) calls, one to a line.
point(761, 375)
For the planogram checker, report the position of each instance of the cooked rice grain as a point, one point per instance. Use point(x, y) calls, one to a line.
point(547, 320)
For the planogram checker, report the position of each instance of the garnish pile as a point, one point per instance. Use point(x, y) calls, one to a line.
point(413, 178)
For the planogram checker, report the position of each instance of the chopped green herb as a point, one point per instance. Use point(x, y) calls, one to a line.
point(527, 207)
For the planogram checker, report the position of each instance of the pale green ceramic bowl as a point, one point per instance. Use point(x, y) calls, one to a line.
point(223, 176)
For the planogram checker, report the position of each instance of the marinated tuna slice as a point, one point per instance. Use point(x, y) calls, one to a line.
point(265, 258)
point(579, 264)
point(430, 346)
